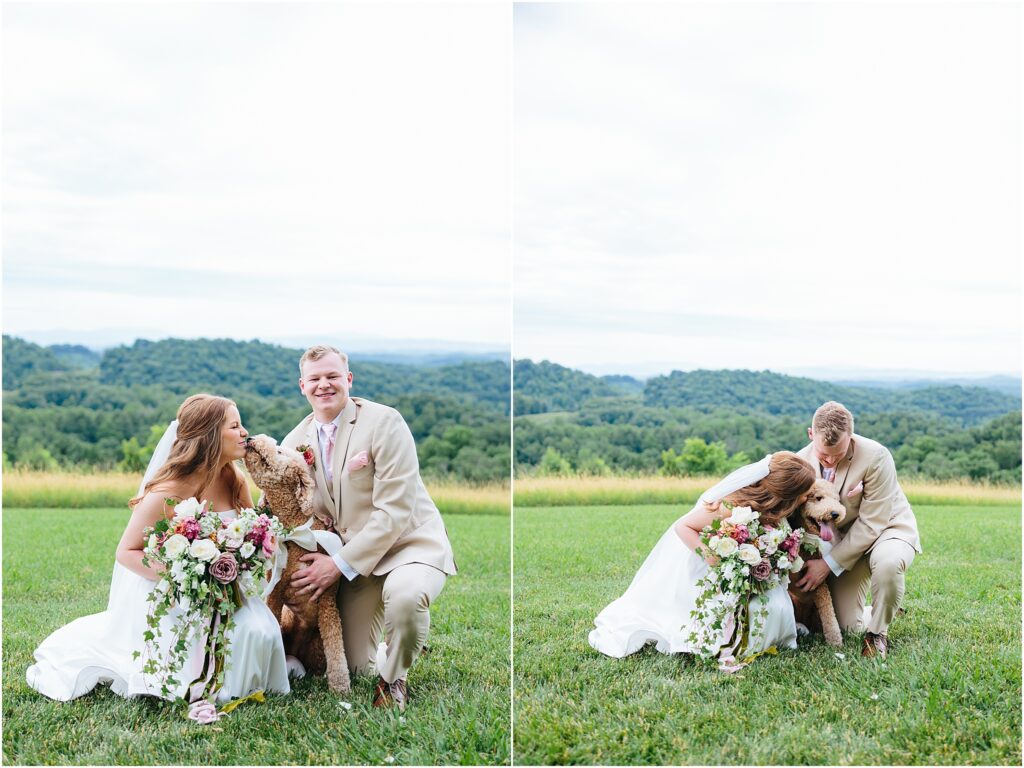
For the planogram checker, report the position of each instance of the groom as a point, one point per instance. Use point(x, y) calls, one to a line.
point(395, 554)
point(880, 532)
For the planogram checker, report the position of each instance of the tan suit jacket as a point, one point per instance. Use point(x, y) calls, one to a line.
point(876, 507)
point(381, 511)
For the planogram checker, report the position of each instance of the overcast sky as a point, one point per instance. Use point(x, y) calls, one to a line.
point(806, 186)
point(257, 170)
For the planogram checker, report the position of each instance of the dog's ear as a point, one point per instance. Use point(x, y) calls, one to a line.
point(304, 486)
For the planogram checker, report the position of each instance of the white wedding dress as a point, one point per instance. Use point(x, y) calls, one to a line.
point(656, 607)
point(97, 649)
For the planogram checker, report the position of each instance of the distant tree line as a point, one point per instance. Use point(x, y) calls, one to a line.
point(63, 408)
point(933, 432)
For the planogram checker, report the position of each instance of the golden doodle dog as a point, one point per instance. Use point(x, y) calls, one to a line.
point(311, 630)
point(819, 517)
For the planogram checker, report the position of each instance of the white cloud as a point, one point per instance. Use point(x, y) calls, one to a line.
point(842, 178)
point(357, 154)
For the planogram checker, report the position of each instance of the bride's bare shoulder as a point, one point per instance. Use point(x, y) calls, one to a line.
point(165, 495)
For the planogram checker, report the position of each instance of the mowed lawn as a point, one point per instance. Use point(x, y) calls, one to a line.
point(950, 692)
point(56, 567)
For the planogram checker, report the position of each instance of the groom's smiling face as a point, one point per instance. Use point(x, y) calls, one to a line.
point(326, 383)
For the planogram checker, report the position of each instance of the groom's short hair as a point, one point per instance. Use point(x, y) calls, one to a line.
point(321, 350)
point(831, 421)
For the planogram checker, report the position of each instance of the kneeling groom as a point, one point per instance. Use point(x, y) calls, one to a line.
point(395, 553)
point(880, 536)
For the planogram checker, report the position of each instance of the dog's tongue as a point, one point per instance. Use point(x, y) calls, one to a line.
point(826, 531)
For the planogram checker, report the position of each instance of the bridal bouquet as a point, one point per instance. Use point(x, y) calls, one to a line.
point(208, 565)
point(753, 558)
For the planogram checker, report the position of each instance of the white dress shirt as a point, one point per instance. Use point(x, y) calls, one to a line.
point(347, 570)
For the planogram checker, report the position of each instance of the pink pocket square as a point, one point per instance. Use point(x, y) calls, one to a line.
point(358, 461)
point(855, 490)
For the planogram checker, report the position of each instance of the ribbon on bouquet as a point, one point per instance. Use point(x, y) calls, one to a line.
point(306, 538)
point(197, 689)
point(738, 635)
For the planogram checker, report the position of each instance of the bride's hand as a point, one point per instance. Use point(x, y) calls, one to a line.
point(710, 559)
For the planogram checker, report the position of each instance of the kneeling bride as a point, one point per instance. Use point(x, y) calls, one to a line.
point(658, 607)
point(195, 460)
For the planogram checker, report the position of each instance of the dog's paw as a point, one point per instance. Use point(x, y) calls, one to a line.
point(296, 670)
point(801, 630)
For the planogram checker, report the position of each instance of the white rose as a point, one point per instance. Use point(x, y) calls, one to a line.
point(749, 554)
point(186, 509)
point(713, 543)
point(798, 563)
point(742, 516)
point(203, 549)
point(175, 546)
point(247, 549)
point(783, 563)
point(726, 547)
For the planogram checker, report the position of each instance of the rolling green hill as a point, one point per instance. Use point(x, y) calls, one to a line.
point(59, 411)
point(598, 425)
point(778, 394)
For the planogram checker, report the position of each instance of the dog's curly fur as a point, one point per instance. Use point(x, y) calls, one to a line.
point(312, 630)
point(815, 609)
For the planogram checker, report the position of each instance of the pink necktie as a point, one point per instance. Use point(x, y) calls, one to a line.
point(828, 473)
point(328, 434)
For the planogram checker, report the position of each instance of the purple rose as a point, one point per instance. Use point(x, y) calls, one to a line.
point(225, 569)
point(762, 571)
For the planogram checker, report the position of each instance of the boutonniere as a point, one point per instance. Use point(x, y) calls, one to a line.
point(307, 454)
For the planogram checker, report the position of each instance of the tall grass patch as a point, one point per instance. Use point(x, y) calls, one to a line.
point(650, 489)
point(93, 490)
point(949, 693)
point(57, 566)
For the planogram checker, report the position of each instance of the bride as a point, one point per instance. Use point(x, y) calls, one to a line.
point(195, 458)
point(656, 607)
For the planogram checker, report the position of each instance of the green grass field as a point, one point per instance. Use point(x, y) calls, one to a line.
point(950, 692)
point(56, 567)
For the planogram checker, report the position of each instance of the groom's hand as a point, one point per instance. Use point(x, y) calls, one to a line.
point(319, 574)
point(817, 571)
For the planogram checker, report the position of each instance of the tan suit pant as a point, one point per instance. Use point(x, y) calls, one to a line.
point(882, 569)
point(395, 605)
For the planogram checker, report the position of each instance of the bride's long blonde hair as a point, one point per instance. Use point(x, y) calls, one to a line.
point(197, 453)
point(781, 492)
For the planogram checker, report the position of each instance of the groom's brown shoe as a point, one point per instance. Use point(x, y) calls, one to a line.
point(390, 694)
point(875, 645)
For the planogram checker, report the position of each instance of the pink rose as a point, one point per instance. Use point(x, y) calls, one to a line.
point(189, 528)
point(225, 568)
point(740, 533)
point(762, 571)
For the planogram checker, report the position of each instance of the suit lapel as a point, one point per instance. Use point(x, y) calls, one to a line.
point(313, 440)
point(347, 421)
point(843, 469)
